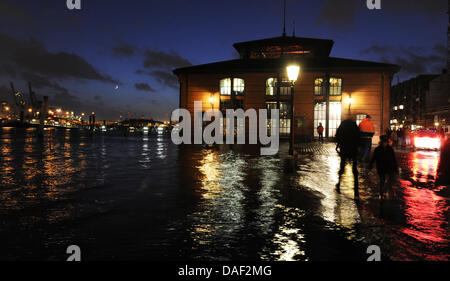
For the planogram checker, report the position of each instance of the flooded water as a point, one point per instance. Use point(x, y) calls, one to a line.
point(143, 198)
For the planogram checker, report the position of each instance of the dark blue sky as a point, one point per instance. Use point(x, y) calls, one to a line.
point(78, 57)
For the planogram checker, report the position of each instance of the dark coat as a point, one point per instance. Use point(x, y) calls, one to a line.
point(347, 138)
point(385, 160)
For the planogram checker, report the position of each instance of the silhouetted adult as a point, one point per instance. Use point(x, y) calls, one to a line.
point(367, 131)
point(348, 140)
point(444, 165)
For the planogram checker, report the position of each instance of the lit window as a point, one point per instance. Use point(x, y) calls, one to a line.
point(225, 87)
point(271, 88)
point(334, 121)
point(395, 107)
point(335, 118)
point(335, 86)
point(285, 117)
point(319, 87)
point(401, 107)
point(285, 88)
point(320, 115)
point(238, 86)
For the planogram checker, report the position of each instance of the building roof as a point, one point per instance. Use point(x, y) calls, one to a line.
point(272, 54)
point(308, 64)
point(319, 47)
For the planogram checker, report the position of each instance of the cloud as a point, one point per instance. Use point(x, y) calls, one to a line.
point(32, 56)
point(163, 77)
point(5, 94)
point(13, 12)
point(144, 87)
point(66, 100)
point(342, 13)
point(8, 69)
point(413, 60)
point(160, 59)
point(434, 7)
point(123, 49)
point(40, 82)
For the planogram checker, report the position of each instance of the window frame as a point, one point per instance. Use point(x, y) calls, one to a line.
point(332, 89)
point(231, 88)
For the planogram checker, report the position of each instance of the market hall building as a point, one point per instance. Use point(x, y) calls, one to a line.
point(328, 89)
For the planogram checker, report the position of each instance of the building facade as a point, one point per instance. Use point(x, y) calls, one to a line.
point(327, 91)
point(410, 101)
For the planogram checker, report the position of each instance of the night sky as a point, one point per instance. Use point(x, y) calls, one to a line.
point(78, 58)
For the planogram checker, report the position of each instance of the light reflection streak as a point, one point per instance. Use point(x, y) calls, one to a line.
point(221, 213)
point(425, 211)
point(337, 208)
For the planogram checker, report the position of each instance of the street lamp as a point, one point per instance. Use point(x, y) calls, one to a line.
point(349, 101)
point(293, 71)
point(211, 101)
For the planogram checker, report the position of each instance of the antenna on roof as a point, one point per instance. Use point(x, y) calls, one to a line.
point(293, 31)
point(284, 19)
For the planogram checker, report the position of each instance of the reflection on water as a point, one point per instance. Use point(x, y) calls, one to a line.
point(424, 166)
point(141, 197)
point(320, 173)
point(425, 211)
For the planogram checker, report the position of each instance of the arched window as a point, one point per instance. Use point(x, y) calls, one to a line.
point(335, 86)
point(225, 87)
point(271, 87)
point(229, 84)
point(238, 86)
point(319, 87)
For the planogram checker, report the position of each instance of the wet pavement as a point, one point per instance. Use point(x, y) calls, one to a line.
point(143, 198)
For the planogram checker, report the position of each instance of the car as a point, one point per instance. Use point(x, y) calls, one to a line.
point(428, 139)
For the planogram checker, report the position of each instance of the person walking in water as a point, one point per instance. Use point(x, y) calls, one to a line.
point(348, 139)
point(386, 164)
point(367, 131)
point(320, 130)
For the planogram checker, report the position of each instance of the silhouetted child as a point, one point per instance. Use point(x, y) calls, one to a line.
point(386, 162)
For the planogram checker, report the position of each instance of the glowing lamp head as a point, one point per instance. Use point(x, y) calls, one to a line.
point(292, 72)
point(211, 100)
point(350, 100)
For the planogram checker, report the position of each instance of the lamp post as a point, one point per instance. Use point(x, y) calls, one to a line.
point(293, 71)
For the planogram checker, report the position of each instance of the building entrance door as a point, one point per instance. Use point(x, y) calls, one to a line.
point(320, 115)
